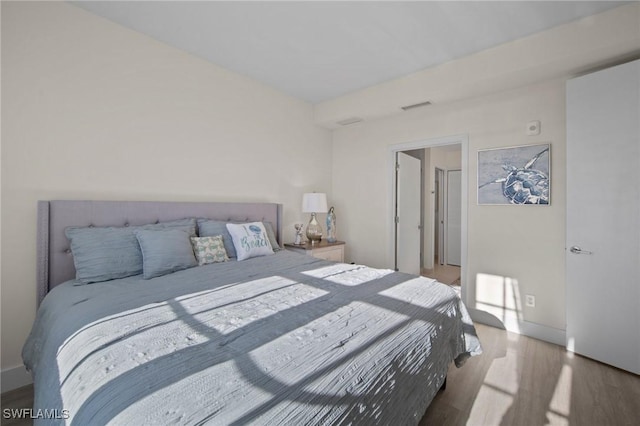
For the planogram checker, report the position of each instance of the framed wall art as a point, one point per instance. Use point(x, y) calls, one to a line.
point(516, 175)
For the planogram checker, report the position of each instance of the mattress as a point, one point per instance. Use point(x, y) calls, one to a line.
point(280, 339)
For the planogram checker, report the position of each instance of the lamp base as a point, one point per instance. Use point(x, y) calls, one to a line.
point(314, 230)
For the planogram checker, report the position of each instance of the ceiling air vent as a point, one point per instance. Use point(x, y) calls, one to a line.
point(350, 120)
point(421, 104)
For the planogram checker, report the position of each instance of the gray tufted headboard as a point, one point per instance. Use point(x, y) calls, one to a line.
point(54, 259)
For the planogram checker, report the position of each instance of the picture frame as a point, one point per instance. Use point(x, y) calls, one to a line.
point(519, 175)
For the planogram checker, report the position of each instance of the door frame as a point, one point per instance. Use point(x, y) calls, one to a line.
point(439, 228)
point(463, 140)
point(446, 215)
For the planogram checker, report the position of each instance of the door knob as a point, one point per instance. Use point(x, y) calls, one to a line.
point(578, 250)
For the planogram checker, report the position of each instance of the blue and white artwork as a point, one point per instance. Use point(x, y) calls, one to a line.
point(518, 175)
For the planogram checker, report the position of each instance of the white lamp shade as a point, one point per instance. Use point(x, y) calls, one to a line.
point(315, 202)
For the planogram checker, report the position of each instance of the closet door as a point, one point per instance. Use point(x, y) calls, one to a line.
point(603, 216)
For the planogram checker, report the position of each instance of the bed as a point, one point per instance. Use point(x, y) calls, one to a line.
point(275, 339)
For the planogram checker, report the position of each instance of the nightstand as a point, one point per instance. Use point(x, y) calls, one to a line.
point(322, 250)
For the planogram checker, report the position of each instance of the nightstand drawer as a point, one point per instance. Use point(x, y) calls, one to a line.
point(335, 254)
point(324, 250)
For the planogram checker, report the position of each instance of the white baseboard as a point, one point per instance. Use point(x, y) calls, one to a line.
point(543, 332)
point(14, 378)
point(526, 328)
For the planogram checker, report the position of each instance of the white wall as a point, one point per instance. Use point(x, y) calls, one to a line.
point(489, 96)
point(572, 48)
point(91, 110)
point(523, 243)
point(446, 158)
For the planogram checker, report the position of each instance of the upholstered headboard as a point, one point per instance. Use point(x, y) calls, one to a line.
point(54, 258)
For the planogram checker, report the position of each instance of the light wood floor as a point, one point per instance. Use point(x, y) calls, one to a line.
point(516, 381)
point(524, 381)
point(19, 398)
point(446, 274)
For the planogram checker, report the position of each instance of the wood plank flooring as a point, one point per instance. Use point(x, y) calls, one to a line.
point(16, 399)
point(523, 381)
point(516, 381)
point(447, 274)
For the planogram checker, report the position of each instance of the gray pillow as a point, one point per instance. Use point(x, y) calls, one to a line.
point(271, 235)
point(212, 227)
point(165, 251)
point(107, 253)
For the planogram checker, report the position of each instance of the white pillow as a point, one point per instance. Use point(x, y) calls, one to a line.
point(249, 239)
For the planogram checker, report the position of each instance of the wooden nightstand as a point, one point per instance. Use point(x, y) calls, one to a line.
point(322, 250)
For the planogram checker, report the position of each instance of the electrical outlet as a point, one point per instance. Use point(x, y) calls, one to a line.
point(530, 300)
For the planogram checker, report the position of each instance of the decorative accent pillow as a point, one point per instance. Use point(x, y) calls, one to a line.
point(209, 249)
point(165, 251)
point(107, 253)
point(212, 227)
point(249, 239)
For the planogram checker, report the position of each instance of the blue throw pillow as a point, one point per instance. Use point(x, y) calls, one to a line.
point(165, 251)
point(211, 228)
point(107, 253)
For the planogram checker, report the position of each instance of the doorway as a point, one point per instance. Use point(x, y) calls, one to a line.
point(446, 212)
point(433, 241)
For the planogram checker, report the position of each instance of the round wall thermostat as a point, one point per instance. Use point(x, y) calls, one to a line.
point(533, 128)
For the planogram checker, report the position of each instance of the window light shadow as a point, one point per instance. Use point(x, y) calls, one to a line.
point(187, 345)
point(354, 275)
point(500, 297)
point(517, 389)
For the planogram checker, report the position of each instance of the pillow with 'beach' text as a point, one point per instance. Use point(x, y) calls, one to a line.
point(249, 239)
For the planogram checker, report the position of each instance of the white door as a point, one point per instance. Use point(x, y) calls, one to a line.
point(454, 217)
point(408, 214)
point(603, 216)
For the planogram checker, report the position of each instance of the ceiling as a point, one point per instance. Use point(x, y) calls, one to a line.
point(318, 51)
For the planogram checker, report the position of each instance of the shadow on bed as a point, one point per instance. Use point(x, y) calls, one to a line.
point(149, 377)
